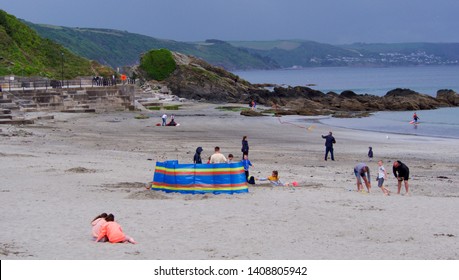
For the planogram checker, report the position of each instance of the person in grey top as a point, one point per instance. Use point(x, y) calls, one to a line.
point(362, 171)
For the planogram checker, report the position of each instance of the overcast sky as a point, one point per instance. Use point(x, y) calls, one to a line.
point(325, 21)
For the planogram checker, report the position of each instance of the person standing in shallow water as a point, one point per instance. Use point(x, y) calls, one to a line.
point(329, 141)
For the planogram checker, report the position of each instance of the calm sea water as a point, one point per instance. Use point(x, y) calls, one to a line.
point(443, 122)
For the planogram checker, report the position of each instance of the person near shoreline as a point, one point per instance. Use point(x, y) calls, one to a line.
point(217, 157)
point(329, 141)
point(245, 146)
point(402, 173)
point(415, 117)
point(382, 175)
point(113, 232)
point(246, 163)
point(274, 179)
point(362, 171)
point(197, 156)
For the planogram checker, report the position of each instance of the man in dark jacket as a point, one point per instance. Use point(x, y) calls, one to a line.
point(402, 173)
point(197, 156)
point(329, 141)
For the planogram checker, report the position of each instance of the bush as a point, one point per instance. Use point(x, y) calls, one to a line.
point(158, 64)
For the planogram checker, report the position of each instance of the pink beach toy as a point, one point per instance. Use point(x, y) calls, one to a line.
point(294, 183)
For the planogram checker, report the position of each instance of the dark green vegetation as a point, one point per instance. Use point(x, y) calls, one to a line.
point(158, 64)
point(23, 52)
point(167, 107)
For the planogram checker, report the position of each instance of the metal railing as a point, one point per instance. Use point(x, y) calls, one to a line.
point(25, 83)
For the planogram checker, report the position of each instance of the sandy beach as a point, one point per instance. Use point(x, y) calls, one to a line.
point(58, 174)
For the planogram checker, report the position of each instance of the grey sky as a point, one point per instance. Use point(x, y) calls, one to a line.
point(326, 21)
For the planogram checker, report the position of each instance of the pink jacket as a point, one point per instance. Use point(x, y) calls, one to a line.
point(96, 225)
point(113, 232)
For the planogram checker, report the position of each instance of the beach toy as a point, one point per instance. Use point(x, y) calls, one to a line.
point(294, 183)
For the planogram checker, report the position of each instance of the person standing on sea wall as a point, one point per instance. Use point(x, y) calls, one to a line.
point(329, 141)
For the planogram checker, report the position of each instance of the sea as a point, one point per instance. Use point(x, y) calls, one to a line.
point(443, 122)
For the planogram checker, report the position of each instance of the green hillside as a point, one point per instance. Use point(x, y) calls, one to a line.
point(121, 48)
point(23, 52)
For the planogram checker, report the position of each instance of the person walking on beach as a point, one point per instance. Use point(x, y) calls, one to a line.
point(113, 232)
point(217, 157)
point(197, 156)
point(362, 171)
point(245, 146)
point(329, 141)
point(382, 175)
point(402, 173)
point(164, 118)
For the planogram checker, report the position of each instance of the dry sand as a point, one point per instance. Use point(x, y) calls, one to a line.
point(57, 175)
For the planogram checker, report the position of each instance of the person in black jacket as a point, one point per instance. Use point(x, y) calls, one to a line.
point(197, 156)
point(245, 146)
point(402, 173)
point(329, 141)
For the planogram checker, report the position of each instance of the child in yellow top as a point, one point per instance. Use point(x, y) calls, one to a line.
point(274, 179)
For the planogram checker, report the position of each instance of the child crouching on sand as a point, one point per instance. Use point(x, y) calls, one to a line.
point(113, 232)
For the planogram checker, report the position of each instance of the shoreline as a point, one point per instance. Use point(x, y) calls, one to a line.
point(335, 122)
point(64, 172)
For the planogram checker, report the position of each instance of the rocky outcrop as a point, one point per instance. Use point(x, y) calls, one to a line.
point(198, 80)
point(450, 97)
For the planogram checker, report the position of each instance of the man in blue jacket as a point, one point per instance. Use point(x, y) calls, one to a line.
point(329, 141)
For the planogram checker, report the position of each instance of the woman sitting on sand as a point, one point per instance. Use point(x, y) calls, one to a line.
point(274, 179)
point(113, 232)
point(97, 224)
